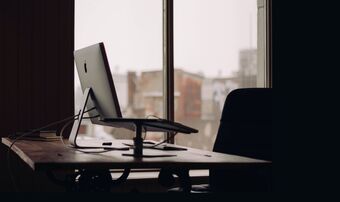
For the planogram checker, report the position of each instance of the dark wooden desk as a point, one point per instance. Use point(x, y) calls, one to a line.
point(47, 156)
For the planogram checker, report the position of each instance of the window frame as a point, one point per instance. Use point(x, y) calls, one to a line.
point(168, 64)
point(168, 54)
point(264, 46)
point(269, 50)
point(264, 43)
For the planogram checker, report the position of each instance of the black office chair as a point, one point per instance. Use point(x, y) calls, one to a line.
point(245, 129)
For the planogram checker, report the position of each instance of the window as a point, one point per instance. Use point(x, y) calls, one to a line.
point(132, 34)
point(219, 45)
point(215, 51)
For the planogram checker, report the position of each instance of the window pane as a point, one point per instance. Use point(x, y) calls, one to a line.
point(132, 33)
point(215, 51)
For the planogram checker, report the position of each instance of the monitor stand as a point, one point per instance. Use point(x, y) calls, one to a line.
point(138, 140)
point(76, 124)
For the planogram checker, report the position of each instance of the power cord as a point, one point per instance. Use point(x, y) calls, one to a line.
point(162, 142)
point(25, 134)
point(14, 135)
point(61, 136)
point(151, 115)
point(29, 133)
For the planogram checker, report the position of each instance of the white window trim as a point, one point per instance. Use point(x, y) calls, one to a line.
point(263, 44)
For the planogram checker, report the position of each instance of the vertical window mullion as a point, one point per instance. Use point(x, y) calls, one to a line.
point(168, 63)
point(264, 44)
point(269, 43)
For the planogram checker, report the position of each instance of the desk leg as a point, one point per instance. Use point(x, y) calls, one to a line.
point(166, 178)
point(94, 180)
point(184, 179)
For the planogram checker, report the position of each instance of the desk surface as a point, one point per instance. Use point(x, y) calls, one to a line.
point(42, 156)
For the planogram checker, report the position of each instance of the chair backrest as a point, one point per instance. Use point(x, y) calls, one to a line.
point(246, 130)
point(246, 124)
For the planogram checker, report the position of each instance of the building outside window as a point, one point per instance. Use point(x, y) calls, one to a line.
point(217, 48)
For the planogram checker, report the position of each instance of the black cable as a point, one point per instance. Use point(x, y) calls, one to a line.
point(51, 124)
point(29, 133)
point(164, 141)
point(25, 134)
point(89, 109)
point(151, 115)
point(71, 121)
point(155, 145)
point(119, 180)
point(61, 136)
point(86, 152)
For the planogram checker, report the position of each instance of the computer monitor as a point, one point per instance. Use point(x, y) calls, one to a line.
point(101, 101)
point(99, 98)
point(94, 72)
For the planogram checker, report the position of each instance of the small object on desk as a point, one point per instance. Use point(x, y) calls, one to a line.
point(148, 142)
point(107, 143)
point(169, 147)
point(45, 135)
point(31, 133)
point(100, 144)
point(173, 148)
point(48, 134)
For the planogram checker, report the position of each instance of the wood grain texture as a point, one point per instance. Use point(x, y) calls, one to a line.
point(54, 155)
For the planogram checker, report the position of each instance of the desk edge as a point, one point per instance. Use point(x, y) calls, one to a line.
point(19, 152)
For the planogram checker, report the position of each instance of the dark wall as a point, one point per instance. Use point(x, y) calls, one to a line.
point(36, 62)
point(36, 70)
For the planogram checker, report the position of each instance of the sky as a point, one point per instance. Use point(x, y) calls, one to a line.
point(208, 34)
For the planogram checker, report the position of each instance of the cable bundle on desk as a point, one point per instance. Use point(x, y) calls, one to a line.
point(17, 138)
point(162, 142)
